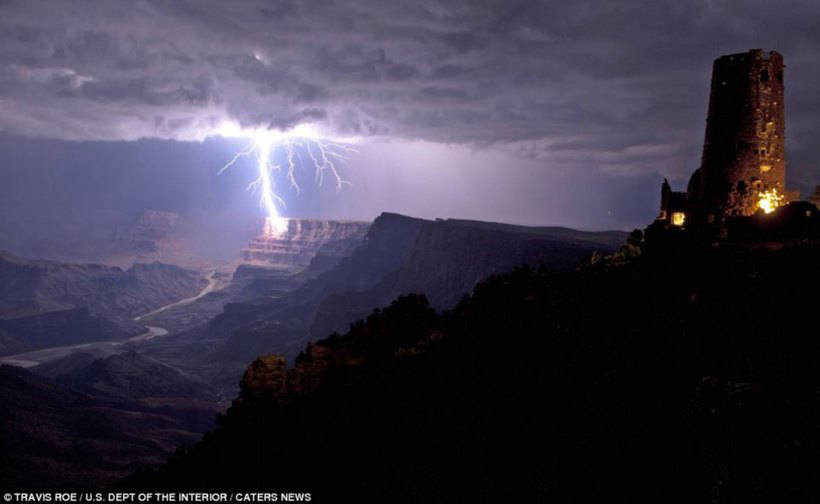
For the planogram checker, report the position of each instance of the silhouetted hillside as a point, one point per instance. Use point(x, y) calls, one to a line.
point(683, 376)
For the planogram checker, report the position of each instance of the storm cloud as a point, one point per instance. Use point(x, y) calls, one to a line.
point(620, 87)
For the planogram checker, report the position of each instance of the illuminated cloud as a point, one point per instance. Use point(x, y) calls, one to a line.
point(622, 85)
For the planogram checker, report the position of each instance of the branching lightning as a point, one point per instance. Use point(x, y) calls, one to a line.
point(297, 146)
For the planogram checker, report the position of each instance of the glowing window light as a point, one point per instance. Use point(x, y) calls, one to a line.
point(769, 200)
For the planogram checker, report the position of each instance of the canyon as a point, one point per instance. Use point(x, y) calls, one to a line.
point(192, 333)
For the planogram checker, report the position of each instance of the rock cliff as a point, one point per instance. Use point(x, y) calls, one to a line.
point(295, 248)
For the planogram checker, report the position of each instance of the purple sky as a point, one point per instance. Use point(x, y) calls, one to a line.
point(520, 111)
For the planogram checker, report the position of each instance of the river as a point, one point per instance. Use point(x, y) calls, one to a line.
point(104, 348)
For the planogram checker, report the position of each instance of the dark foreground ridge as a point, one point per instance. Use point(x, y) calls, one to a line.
point(683, 376)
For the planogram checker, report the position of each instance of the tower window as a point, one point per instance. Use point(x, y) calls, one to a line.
point(764, 76)
point(678, 218)
point(780, 76)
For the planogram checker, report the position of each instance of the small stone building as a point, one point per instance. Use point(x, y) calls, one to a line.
point(674, 206)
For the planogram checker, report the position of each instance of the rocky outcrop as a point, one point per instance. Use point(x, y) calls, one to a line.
point(295, 248)
point(264, 379)
point(267, 379)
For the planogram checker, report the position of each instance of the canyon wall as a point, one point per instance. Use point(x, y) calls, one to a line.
point(295, 248)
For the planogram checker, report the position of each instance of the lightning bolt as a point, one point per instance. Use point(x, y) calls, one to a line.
point(299, 146)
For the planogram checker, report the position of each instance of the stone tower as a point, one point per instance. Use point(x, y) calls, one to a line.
point(743, 167)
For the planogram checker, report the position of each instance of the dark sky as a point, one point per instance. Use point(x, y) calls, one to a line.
point(522, 111)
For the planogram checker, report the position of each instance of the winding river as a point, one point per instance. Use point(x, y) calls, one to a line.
point(104, 348)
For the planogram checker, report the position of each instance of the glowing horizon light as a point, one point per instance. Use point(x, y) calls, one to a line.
point(322, 153)
point(769, 200)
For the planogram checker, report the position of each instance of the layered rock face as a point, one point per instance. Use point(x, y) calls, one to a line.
point(295, 248)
